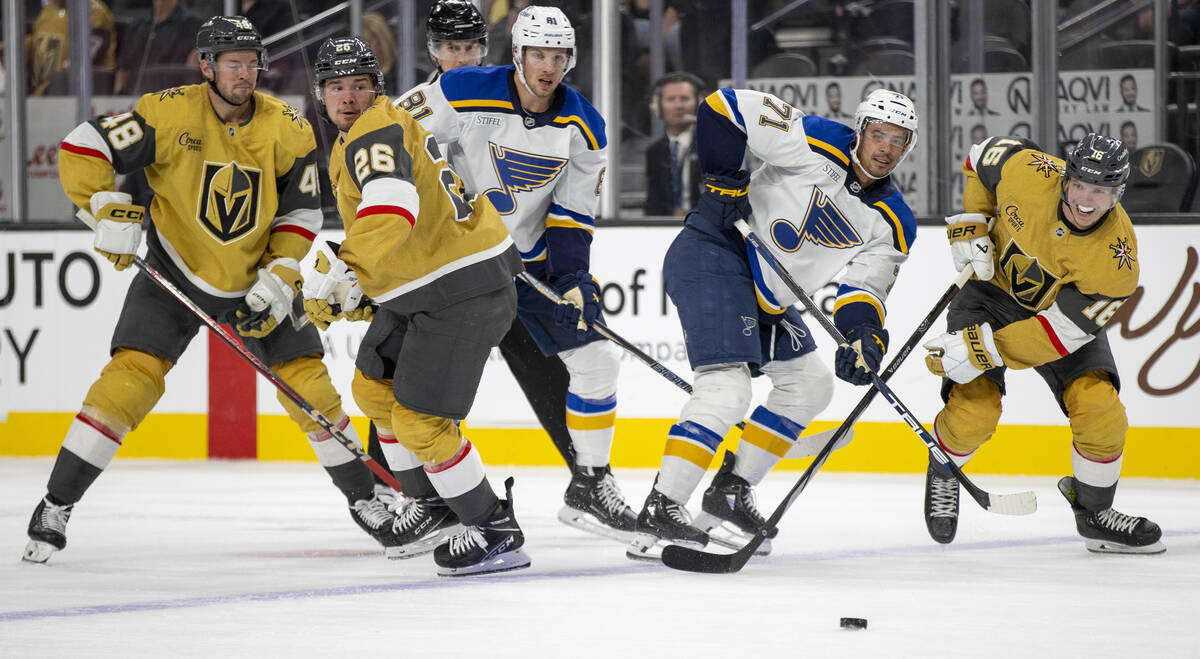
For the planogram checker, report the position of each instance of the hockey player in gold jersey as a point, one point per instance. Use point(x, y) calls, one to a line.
point(1055, 256)
point(439, 265)
point(236, 205)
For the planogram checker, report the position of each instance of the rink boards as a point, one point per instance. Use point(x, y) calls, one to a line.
point(59, 302)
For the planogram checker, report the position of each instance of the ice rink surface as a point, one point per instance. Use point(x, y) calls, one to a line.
point(245, 559)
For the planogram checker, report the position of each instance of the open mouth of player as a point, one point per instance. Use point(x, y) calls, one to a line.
point(1084, 212)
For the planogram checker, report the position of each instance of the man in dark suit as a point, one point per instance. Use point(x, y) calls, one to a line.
point(672, 170)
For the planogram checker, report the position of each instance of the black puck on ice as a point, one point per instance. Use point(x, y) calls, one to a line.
point(854, 623)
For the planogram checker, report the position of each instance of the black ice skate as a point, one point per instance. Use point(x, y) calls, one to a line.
point(1110, 532)
point(420, 527)
point(595, 504)
point(493, 546)
point(941, 503)
point(728, 513)
point(372, 515)
point(395, 501)
point(663, 522)
point(47, 531)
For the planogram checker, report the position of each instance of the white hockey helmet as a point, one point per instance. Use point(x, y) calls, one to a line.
point(543, 27)
point(889, 107)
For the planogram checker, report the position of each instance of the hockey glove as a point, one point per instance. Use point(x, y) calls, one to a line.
point(269, 300)
point(863, 350)
point(581, 301)
point(963, 355)
point(118, 227)
point(331, 291)
point(970, 243)
point(725, 199)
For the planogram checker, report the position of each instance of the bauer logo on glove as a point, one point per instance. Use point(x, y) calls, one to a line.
point(963, 355)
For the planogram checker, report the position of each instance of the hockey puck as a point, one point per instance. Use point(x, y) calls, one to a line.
point(854, 623)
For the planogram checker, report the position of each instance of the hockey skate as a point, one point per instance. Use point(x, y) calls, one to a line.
point(594, 503)
point(941, 504)
point(372, 515)
point(420, 527)
point(395, 501)
point(493, 546)
point(728, 513)
point(663, 522)
point(1110, 532)
point(47, 531)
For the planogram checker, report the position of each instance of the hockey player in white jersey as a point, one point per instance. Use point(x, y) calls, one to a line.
point(456, 37)
point(536, 149)
point(824, 202)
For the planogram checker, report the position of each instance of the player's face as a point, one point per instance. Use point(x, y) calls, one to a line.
point(235, 74)
point(346, 98)
point(678, 103)
point(544, 69)
point(881, 146)
point(454, 54)
point(1085, 203)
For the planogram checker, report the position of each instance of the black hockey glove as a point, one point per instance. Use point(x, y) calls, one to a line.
point(725, 199)
point(869, 341)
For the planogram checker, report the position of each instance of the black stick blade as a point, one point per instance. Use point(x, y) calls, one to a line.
point(695, 560)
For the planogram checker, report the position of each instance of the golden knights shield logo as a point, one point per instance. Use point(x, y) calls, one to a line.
point(229, 200)
point(1152, 162)
point(1028, 281)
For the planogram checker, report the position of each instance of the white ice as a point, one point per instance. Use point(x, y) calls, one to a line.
point(245, 559)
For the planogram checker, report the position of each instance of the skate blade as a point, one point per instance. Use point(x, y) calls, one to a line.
point(422, 546)
point(648, 547)
point(509, 560)
point(38, 552)
point(588, 522)
point(1110, 547)
point(728, 535)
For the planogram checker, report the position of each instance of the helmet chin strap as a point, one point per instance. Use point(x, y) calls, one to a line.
point(521, 74)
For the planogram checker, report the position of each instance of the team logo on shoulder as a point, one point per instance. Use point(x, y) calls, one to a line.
point(293, 114)
point(518, 171)
point(170, 93)
point(1043, 165)
point(1028, 281)
point(1123, 253)
point(824, 224)
point(229, 200)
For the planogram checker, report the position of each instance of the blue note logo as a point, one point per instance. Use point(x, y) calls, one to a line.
point(518, 171)
point(824, 224)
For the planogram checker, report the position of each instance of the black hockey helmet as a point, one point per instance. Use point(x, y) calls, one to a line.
point(455, 20)
point(1099, 160)
point(346, 56)
point(220, 34)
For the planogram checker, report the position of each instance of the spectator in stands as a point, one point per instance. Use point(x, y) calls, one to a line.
point(378, 35)
point(672, 168)
point(48, 49)
point(158, 52)
point(1129, 93)
point(1129, 136)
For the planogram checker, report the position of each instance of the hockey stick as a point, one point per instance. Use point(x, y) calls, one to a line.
point(327, 425)
point(1021, 503)
point(804, 447)
point(695, 560)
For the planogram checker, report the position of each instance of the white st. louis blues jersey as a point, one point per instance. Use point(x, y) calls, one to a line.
point(540, 171)
point(810, 209)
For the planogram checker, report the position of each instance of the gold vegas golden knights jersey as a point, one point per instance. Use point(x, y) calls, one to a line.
point(227, 198)
point(411, 233)
point(1072, 281)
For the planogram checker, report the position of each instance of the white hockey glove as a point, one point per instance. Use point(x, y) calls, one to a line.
point(269, 300)
point(331, 291)
point(963, 355)
point(118, 227)
point(970, 243)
